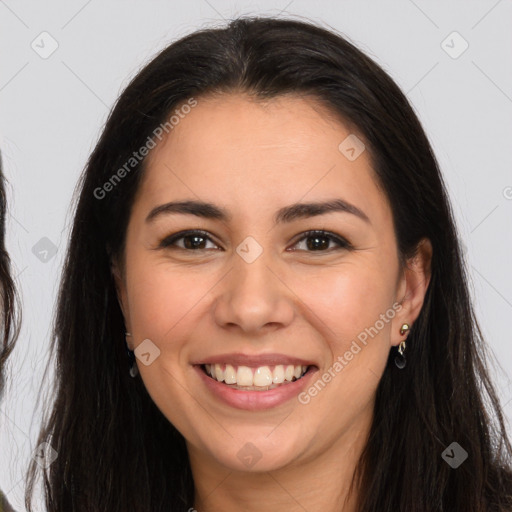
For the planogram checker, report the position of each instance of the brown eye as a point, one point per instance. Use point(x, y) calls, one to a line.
point(192, 241)
point(197, 240)
point(319, 241)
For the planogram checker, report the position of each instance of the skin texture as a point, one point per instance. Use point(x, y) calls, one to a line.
point(253, 158)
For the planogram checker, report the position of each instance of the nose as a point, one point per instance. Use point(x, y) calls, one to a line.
point(253, 297)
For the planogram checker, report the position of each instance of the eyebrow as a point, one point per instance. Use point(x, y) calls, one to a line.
point(286, 214)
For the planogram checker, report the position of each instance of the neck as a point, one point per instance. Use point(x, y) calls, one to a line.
point(319, 482)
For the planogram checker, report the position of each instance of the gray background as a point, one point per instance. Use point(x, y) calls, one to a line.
point(52, 110)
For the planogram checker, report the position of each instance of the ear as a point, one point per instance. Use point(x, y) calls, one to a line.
point(120, 284)
point(412, 287)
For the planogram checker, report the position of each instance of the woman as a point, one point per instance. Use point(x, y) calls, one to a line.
point(264, 227)
point(10, 322)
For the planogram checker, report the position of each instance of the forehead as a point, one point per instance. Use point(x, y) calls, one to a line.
point(261, 153)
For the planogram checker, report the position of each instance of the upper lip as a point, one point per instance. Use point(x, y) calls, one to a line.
point(239, 359)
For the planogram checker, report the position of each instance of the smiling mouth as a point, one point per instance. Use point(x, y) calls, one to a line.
point(261, 378)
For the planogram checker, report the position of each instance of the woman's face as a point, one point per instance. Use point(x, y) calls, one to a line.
point(256, 285)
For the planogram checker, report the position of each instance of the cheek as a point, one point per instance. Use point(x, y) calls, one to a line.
point(161, 299)
point(162, 302)
point(353, 305)
point(348, 298)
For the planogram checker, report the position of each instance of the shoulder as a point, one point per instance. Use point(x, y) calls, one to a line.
point(4, 504)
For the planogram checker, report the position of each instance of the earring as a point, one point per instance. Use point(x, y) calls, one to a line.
point(134, 370)
point(400, 359)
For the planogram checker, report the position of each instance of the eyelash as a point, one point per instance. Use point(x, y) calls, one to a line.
point(167, 243)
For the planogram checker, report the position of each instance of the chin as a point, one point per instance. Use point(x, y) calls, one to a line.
point(255, 454)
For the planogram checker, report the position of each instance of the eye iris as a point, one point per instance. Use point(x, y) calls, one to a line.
point(316, 245)
point(195, 244)
point(318, 242)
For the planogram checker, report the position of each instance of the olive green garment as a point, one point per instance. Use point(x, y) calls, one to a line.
point(4, 505)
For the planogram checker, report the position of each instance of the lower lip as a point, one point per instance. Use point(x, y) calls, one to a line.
point(255, 400)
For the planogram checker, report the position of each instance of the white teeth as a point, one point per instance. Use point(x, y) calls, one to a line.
point(244, 376)
point(278, 377)
point(230, 375)
point(219, 374)
point(263, 376)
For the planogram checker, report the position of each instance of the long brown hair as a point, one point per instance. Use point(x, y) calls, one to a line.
point(9, 306)
point(116, 451)
point(10, 322)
